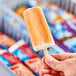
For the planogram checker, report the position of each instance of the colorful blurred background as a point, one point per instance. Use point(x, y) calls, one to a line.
point(15, 46)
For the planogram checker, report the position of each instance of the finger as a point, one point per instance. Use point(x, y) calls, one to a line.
point(48, 71)
point(44, 65)
point(49, 58)
point(55, 64)
point(64, 56)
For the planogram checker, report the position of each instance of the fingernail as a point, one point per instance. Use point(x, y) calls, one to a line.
point(49, 59)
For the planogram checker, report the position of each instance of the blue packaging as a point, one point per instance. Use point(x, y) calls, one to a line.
point(30, 3)
point(59, 31)
point(56, 49)
point(50, 15)
point(71, 44)
point(72, 24)
point(5, 61)
point(20, 55)
point(14, 26)
point(15, 50)
point(61, 12)
point(4, 47)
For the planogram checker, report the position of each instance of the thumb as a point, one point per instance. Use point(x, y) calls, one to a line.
point(54, 64)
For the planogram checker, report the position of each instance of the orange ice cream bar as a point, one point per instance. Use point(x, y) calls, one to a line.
point(38, 29)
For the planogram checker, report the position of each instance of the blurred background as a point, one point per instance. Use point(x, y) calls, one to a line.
point(16, 49)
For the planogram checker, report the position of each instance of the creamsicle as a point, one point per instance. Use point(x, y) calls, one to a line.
point(38, 29)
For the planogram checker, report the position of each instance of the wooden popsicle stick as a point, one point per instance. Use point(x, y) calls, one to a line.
point(47, 54)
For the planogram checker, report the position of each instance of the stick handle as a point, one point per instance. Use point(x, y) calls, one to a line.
point(46, 52)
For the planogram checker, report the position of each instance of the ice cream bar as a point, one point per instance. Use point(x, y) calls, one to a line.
point(38, 29)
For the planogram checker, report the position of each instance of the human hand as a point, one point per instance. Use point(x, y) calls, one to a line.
point(60, 65)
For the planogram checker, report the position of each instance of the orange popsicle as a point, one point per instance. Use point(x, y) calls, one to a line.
point(38, 29)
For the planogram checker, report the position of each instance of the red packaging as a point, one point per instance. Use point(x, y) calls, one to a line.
point(27, 50)
point(21, 70)
point(22, 51)
point(14, 64)
point(8, 58)
point(6, 40)
point(34, 64)
point(25, 54)
point(11, 58)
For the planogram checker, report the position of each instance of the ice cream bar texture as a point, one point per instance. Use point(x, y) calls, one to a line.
point(38, 29)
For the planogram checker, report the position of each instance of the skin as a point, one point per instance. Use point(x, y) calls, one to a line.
point(59, 65)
